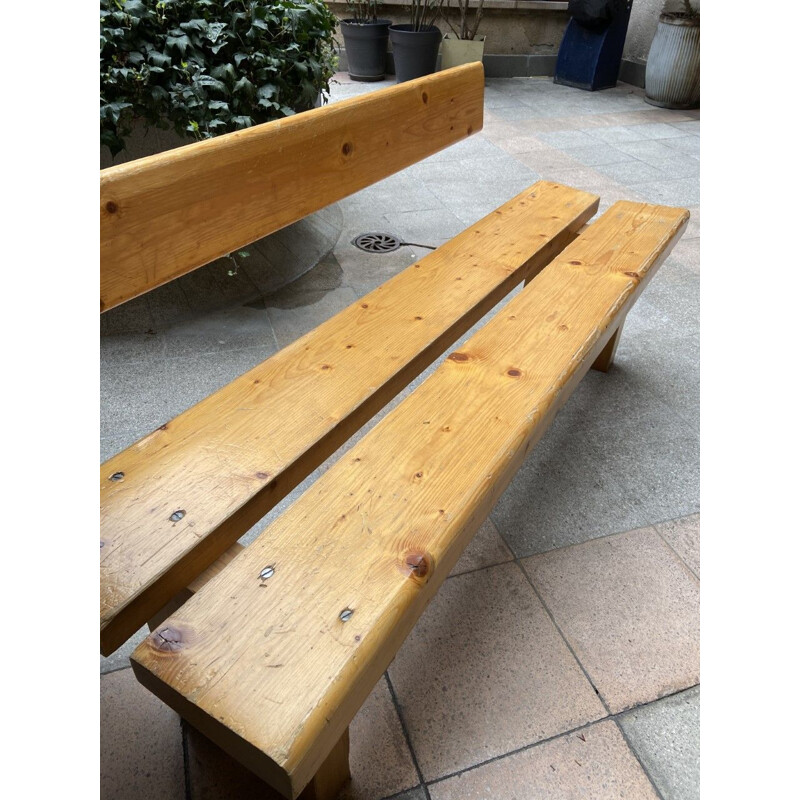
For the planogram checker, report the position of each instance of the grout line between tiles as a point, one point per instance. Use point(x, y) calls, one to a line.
point(404, 728)
point(116, 669)
point(402, 792)
point(636, 756)
point(564, 638)
point(570, 732)
point(675, 552)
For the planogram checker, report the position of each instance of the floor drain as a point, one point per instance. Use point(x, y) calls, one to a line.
point(377, 242)
point(383, 243)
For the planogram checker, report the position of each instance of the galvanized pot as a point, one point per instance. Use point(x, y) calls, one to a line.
point(672, 75)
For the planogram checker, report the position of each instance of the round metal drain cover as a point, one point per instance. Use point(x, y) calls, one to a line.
point(377, 242)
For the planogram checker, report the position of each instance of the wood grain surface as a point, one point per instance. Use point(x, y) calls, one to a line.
point(228, 460)
point(274, 670)
point(168, 214)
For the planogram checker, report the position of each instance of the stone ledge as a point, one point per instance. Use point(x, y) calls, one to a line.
point(514, 5)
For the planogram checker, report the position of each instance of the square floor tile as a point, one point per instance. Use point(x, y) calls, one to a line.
point(684, 144)
point(631, 172)
point(594, 764)
point(666, 737)
point(485, 672)
point(681, 193)
point(629, 607)
point(141, 754)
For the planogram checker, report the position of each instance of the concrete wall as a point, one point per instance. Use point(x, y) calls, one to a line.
point(511, 27)
point(642, 26)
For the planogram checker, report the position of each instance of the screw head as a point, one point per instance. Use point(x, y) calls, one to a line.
point(345, 614)
point(178, 515)
point(117, 476)
point(267, 572)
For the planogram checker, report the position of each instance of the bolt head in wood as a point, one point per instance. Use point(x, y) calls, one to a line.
point(267, 572)
point(345, 614)
point(178, 515)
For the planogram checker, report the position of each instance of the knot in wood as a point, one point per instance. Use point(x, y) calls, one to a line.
point(514, 372)
point(417, 564)
point(168, 640)
point(458, 357)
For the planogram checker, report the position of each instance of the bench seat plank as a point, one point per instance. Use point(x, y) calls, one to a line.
point(228, 460)
point(168, 214)
point(267, 668)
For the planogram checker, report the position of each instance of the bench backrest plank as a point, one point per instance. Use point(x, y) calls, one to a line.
point(267, 668)
point(168, 214)
point(228, 460)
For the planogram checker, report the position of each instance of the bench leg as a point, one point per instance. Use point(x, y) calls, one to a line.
point(332, 775)
point(606, 357)
point(210, 766)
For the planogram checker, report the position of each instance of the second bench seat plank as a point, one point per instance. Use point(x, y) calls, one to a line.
point(176, 500)
point(274, 668)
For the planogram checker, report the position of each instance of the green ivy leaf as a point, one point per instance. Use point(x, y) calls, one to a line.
point(214, 31)
point(243, 86)
point(179, 42)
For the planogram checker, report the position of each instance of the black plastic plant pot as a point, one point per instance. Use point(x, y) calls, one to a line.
point(415, 52)
point(365, 45)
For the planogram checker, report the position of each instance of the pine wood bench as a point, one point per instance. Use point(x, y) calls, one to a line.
point(274, 655)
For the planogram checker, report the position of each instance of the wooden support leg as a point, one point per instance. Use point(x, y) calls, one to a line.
point(332, 775)
point(606, 357)
point(212, 771)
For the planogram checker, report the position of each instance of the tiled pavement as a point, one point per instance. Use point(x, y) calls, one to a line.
point(561, 658)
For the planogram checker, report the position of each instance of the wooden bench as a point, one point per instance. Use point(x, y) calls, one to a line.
point(274, 655)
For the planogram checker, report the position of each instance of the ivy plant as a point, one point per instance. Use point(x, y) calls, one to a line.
point(206, 67)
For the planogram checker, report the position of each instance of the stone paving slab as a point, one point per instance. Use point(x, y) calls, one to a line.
point(629, 608)
point(484, 671)
point(666, 737)
point(594, 764)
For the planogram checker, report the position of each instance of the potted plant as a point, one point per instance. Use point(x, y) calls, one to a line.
point(365, 41)
point(672, 75)
point(415, 45)
point(462, 46)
